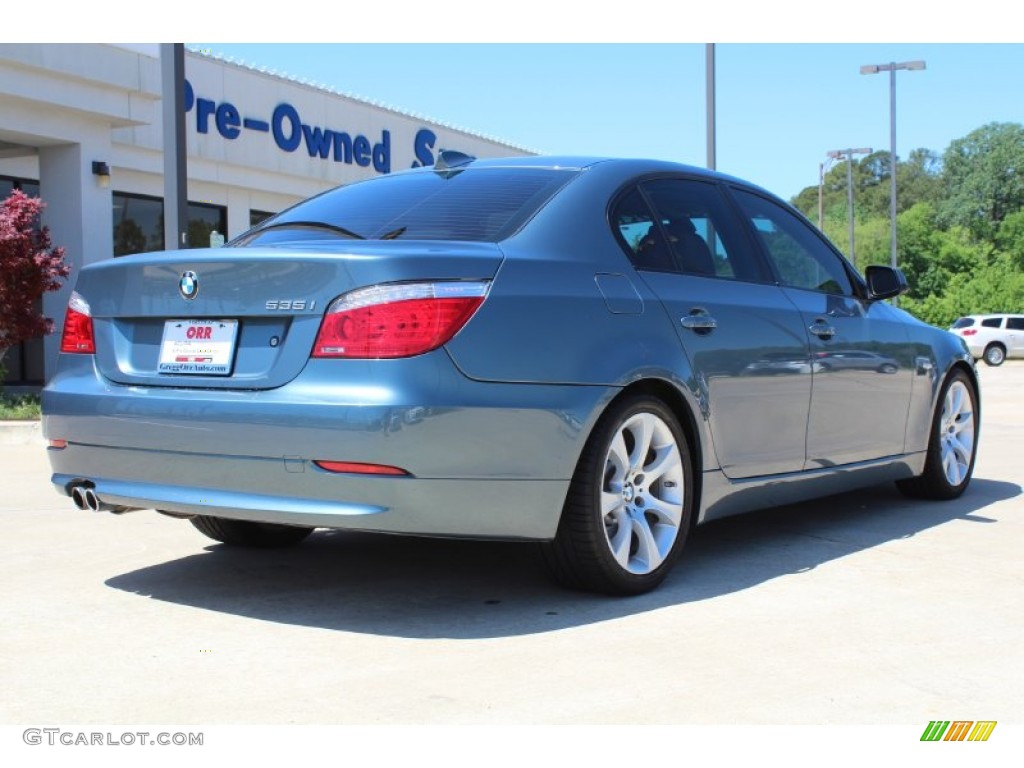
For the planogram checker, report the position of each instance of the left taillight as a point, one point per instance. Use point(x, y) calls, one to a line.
point(398, 319)
point(78, 337)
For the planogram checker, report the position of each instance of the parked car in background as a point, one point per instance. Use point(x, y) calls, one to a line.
point(992, 338)
point(592, 354)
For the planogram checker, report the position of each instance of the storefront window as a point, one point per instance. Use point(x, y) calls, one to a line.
point(139, 224)
point(258, 217)
point(207, 225)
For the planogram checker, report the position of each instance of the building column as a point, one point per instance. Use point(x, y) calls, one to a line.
point(79, 214)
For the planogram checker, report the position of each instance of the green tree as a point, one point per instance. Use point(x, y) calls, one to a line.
point(983, 176)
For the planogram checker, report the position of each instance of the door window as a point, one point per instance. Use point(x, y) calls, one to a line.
point(800, 257)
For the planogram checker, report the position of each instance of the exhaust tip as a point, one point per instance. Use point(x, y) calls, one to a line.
point(92, 500)
point(78, 497)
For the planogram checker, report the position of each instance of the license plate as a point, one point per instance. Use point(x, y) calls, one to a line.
point(198, 347)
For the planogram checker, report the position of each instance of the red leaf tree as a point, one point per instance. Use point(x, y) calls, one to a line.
point(29, 267)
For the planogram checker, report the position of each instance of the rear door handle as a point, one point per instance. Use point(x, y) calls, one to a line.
point(822, 329)
point(699, 321)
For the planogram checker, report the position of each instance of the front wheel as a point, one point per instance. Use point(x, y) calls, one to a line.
point(627, 514)
point(953, 445)
point(245, 533)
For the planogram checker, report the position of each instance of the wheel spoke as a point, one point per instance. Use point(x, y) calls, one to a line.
point(952, 468)
point(618, 458)
point(610, 501)
point(666, 459)
point(643, 431)
point(647, 551)
point(961, 450)
point(621, 541)
point(964, 423)
point(668, 513)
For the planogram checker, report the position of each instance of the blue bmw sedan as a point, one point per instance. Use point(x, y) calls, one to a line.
point(593, 354)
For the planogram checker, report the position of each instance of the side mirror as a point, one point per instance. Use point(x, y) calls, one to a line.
point(884, 282)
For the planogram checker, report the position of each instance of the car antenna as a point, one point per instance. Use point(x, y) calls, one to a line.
point(450, 162)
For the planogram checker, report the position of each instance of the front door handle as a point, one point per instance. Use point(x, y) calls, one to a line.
point(822, 329)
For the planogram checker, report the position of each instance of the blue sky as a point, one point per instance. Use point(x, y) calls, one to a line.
point(780, 107)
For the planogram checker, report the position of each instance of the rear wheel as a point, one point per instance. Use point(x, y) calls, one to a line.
point(995, 354)
point(628, 510)
point(245, 533)
point(953, 445)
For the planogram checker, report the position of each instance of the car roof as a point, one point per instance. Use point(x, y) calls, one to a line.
point(582, 162)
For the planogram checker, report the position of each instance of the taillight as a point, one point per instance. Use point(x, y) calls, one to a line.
point(78, 336)
point(969, 332)
point(397, 320)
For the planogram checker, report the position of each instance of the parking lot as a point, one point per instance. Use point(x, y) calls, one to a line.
point(861, 609)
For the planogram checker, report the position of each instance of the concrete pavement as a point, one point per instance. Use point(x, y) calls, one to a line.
point(860, 609)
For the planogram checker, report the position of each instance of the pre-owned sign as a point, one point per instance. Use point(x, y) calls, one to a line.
point(289, 133)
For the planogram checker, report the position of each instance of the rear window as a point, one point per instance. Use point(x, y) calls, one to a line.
point(483, 204)
point(964, 322)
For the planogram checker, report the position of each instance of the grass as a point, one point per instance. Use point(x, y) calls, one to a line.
point(19, 407)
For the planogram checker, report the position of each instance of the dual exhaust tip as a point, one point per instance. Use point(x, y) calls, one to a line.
point(84, 497)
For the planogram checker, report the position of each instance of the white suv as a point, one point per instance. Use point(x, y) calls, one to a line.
point(992, 338)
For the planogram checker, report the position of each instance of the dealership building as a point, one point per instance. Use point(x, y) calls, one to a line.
point(81, 127)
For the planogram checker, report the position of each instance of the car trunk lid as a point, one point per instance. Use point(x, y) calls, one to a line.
point(253, 314)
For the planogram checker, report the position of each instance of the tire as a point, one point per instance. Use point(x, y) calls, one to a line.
point(995, 354)
point(244, 533)
point(953, 444)
point(627, 513)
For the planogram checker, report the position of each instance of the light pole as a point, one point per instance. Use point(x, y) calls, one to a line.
point(709, 87)
point(847, 154)
point(891, 68)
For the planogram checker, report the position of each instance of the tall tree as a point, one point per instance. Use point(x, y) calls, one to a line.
point(983, 176)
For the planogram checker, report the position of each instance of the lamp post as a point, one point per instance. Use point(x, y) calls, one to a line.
point(709, 87)
point(847, 154)
point(891, 68)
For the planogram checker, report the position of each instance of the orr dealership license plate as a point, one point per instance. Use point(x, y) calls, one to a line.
point(198, 346)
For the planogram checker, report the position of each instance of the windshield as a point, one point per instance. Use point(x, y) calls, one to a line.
point(482, 204)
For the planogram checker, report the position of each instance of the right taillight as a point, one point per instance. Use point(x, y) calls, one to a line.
point(969, 332)
point(78, 337)
point(398, 319)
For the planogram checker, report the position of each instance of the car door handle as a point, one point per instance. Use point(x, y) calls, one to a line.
point(699, 321)
point(822, 329)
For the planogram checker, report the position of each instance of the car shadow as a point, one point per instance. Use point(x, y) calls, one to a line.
point(432, 588)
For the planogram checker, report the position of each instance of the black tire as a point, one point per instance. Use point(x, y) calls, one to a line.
point(590, 545)
point(244, 533)
point(953, 418)
point(995, 355)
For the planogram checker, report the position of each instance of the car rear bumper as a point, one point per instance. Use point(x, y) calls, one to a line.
point(483, 459)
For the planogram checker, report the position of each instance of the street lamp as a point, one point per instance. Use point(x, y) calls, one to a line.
point(847, 154)
point(891, 68)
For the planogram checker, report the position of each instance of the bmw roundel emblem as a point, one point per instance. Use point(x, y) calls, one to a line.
point(189, 285)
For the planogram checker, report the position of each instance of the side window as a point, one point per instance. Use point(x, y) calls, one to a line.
point(992, 322)
point(1015, 323)
point(800, 257)
point(644, 242)
point(701, 231)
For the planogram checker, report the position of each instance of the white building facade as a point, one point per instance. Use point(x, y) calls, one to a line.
point(80, 126)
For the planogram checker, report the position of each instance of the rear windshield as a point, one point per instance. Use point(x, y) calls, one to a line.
point(483, 204)
point(964, 322)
